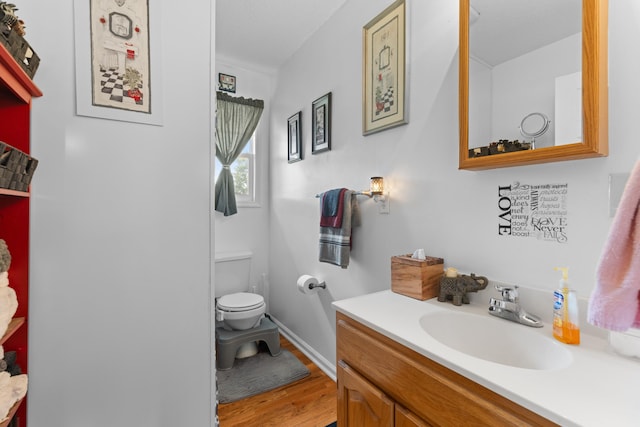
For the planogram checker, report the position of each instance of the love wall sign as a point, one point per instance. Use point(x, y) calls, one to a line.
point(533, 211)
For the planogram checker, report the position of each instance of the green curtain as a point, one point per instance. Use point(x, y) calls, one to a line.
point(236, 120)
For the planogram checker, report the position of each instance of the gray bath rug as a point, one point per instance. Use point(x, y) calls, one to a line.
point(257, 374)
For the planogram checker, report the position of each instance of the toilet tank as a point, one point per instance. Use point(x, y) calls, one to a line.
point(232, 272)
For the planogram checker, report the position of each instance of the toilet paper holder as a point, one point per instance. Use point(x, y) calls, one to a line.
point(321, 285)
point(309, 284)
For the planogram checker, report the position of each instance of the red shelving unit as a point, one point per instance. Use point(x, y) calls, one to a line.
point(16, 92)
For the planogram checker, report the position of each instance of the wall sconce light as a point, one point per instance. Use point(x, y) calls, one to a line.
point(376, 190)
point(376, 187)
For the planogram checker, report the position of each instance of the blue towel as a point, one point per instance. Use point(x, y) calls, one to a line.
point(330, 201)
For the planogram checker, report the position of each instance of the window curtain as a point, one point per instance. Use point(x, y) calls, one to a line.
point(236, 120)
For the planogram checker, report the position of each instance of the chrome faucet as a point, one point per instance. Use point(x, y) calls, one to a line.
point(509, 307)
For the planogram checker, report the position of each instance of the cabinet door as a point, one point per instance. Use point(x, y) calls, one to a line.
point(405, 418)
point(360, 403)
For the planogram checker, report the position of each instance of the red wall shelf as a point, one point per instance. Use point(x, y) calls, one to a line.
point(14, 325)
point(16, 93)
point(7, 192)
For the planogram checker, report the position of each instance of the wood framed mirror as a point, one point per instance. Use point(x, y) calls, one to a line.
point(591, 137)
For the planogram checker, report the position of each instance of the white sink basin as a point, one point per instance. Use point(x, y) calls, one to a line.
point(496, 340)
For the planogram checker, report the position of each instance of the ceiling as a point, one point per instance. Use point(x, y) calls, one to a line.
point(267, 32)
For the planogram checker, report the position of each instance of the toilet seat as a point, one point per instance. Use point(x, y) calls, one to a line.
point(240, 301)
point(241, 310)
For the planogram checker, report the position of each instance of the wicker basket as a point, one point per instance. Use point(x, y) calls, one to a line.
point(21, 51)
point(16, 168)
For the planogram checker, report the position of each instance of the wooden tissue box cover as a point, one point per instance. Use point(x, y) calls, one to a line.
point(419, 279)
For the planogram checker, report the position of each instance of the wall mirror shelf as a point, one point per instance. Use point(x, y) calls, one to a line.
point(593, 141)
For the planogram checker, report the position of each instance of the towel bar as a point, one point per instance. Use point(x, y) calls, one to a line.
point(357, 193)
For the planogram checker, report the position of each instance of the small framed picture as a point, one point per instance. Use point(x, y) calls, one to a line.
point(294, 124)
point(321, 124)
point(226, 82)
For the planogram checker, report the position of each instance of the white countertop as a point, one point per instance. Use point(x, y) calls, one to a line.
point(599, 388)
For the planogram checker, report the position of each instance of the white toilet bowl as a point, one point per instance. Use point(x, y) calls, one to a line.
point(240, 311)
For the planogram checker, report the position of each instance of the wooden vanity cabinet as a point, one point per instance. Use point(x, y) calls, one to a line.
point(360, 402)
point(383, 383)
point(363, 404)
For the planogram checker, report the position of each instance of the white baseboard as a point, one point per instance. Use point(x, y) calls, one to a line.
point(322, 363)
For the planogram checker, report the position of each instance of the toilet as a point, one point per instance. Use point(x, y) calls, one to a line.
point(240, 311)
point(236, 308)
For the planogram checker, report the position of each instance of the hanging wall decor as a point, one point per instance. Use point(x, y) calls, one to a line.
point(538, 211)
point(294, 132)
point(226, 82)
point(321, 124)
point(117, 45)
point(383, 70)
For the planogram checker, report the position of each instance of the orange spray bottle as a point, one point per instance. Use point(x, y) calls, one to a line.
point(565, 311)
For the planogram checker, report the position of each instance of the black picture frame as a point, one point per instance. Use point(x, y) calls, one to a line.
point(321, 124)
point(227, 82)
point(294, 137)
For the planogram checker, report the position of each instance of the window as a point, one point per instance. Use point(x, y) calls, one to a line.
point(243, 171)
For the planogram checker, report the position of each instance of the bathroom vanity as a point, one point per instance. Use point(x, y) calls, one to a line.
point(377, 378)
point(391, 372)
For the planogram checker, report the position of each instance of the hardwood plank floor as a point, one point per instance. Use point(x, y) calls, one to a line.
point(310, 402)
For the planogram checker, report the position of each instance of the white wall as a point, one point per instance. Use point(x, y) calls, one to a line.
point(120, 247)
point(249, 228)
point(450, 213)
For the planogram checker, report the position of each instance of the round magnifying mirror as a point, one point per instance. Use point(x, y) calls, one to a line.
point(533, 126)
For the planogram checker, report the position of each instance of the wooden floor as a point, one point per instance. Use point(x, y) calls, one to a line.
point(310, 402)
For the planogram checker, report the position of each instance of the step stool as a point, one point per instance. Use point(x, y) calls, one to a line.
point(228, 342)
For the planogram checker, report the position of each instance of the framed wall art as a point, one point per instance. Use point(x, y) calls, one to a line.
point(383, 70)
point(294, 132)
point(118, 72)
point(226, 82)
point(321, 124)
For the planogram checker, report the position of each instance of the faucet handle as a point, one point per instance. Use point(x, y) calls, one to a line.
point(509, 293)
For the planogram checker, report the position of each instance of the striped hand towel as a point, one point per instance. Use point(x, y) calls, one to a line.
point(335, 243)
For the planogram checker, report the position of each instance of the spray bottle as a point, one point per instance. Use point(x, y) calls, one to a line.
point(565, 311)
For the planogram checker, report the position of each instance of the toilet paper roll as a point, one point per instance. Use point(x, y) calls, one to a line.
point(304, 283)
